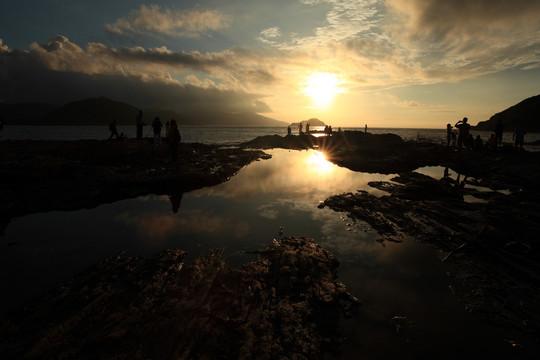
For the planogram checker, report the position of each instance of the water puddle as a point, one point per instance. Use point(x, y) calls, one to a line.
point(473, 190)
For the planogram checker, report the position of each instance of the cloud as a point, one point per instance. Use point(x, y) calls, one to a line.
point(472, 37)
point(451, 20)
point(60, 71)
point(60, 54)
point(381, 44)
point(269, 35)
point(394, 100)
point(2, 46)
point(344, 20)
point(152, 20)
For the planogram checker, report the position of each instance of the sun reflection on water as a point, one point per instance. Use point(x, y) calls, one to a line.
point(317, 163)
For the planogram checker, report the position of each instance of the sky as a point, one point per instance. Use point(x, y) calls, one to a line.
point(385, 63)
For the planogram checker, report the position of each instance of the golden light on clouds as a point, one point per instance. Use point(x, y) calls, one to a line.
point(322, 87)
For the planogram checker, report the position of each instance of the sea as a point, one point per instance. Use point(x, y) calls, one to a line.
point(228, 135)
point(408, 307)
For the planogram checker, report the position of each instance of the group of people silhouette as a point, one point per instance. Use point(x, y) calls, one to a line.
point(465, 139)
point(327, 130)
point(173, 137)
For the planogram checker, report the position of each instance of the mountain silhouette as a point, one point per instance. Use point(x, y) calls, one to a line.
point(101, 110)
point(94, 111)
point(526, 114)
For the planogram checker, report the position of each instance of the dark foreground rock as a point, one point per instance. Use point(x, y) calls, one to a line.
point(284, 305)
point(39, 176)
point(491, 246)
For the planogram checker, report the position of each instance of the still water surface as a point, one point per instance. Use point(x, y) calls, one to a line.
point(408, 310)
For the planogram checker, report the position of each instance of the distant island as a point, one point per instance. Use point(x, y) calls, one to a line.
point(312, 122)
point(101, 110)
point(526, 114)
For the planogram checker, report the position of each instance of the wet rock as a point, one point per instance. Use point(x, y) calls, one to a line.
point(284, 305)
point(419, 187)
point(492, 247)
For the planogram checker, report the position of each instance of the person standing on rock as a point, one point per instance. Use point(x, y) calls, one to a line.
point(173, 137)
point(463, 136)
point(448, 134)
point(499, 129)
point(139, 122)
point(114, 131)
point(300, 129)
point(518, 137)
point(157, 125)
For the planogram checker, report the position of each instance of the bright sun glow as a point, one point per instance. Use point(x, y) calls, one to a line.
point(322, 87)
point(318, 163)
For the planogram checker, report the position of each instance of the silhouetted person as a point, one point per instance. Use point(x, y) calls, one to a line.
point(112, 128)
point(176, 200)
point(156, 126)
point(478, 143)
point(518, 137)
point(365, 129)
point(139, 123)
point(463, 136)
point(173, 137)
point(448, 134)
point(307, 128)
point(329, 129)
point(300, 129)
point(499, 129)
point(289, 130)
point(492, 142)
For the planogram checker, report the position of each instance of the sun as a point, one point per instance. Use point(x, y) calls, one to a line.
point(322, 87)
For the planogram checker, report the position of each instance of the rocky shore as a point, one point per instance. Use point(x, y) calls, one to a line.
point(40, 176)
point(484, 223)
point(285, 305)
point(484, 220)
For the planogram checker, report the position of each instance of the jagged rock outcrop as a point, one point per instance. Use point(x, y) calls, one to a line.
point(284, 305)
point(490, 245)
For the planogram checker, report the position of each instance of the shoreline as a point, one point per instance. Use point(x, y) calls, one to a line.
point(42, 176)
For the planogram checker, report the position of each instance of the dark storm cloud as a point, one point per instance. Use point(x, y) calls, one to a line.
point(193, 60)
point(59, 72)
point(61, 54)
point(463, 38)
point(441, 19)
